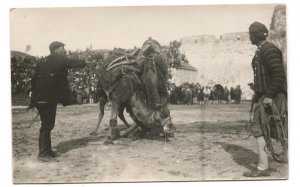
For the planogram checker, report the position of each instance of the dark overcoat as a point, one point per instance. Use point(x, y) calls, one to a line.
point(50, 80)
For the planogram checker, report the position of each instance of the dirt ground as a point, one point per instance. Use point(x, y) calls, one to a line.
point(206, 146)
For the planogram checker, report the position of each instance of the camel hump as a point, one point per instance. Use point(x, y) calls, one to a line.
point(125, 59)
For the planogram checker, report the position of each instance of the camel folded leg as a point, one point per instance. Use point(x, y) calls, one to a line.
point(125, 132)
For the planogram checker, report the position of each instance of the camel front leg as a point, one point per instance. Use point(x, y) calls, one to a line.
point(113, 131)
point(103, 100)
point(121, 115)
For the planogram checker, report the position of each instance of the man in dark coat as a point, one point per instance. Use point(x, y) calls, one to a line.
point(188, 96)
point(237, 94)
point(50, 87)
point(270, 90)
point(232, 95)
point(226, 95)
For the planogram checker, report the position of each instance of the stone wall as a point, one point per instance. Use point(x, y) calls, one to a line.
point(277, 33)
point(225, 59)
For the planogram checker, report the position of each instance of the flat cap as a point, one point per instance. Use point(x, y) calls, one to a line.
point(54, 45)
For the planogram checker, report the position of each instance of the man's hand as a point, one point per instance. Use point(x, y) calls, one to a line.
point(267, 101)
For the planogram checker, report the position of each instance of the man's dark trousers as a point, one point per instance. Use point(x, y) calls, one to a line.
point(47, 113)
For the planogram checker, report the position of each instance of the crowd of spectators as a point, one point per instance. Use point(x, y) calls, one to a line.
point(190, 94)
point(22, 67)
point(83, 82)
point(175, 57)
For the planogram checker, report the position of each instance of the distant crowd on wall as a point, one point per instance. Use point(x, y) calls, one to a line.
point(83, 82)
point(190, 94)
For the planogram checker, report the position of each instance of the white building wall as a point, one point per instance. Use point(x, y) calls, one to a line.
point(180, 76)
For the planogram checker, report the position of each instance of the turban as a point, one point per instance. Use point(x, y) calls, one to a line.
point(258, 30)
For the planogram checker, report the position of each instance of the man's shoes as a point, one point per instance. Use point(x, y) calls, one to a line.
point(53, 154)
point(258, 173)
point(47, 158)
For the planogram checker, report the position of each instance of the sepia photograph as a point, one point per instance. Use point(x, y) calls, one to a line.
point(108, 94)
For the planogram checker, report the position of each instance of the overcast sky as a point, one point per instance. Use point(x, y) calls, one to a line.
point(105, 28)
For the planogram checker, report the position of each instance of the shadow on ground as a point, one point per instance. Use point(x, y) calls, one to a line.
point(241, 155)
point(227, 127)
point(66, 146)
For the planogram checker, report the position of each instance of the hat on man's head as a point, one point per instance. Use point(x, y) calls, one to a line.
point(258, 30)
point(54, 45)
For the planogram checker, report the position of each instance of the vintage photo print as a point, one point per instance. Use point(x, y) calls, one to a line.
point(149, 93)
